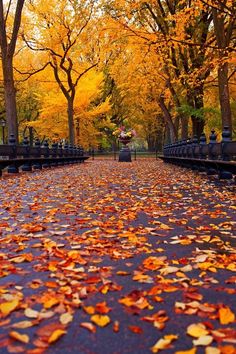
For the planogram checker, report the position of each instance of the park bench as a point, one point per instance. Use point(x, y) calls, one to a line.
point(14, 157)
point(213, 157)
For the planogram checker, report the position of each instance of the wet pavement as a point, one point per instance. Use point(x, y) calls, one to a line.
point(109, 257)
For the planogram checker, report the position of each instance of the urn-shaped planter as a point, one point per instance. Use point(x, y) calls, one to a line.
point(125, 153)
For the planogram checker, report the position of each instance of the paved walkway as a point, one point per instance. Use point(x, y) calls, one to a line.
point(110, 257)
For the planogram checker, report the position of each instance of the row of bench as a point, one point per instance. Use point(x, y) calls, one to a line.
point(213, 157)
point(26, 158)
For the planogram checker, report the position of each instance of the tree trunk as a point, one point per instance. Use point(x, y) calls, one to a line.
point(224, 28)
point(71, 125)
point(184, 127)
point(177, 124)
point(195, 100)
point(167, 136)
point(151, 141)
point(168, 119)
point(224, 96)
point(159, 140)
point(8, 46)
point(10, 98)
point(31, 136)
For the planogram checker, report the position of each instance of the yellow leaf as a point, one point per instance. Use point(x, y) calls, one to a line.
point(66, 318)
point(190, 351)
point(165, 227)
point(231, 267)
point(171, 336)
point(203, 340)
point(197, 330)
point(20, 337)
point(56, 335)
point(100, 320)
point(8, 307)
point(163, 343)
point(226, 316)
point(212, 350)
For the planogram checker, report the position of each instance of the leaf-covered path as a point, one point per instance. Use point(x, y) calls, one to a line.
point(110, 257)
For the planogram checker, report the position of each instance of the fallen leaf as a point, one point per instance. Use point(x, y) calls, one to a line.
point(163, 343)
point(66, 318)
point(197, 330)
point(20, 337)
point(190, 351)
point(226, 316)
point(56, 335)
point(203, 340)
point(23, 324)
point(116, 326)
point(227, 349)
point(89, 326)
point(31, 313)
point(136, 329)
point(8, 307)
point(212, 350)
point(101, 320)
point(89, 310)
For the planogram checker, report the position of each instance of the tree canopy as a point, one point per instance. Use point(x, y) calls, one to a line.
point(76, 70)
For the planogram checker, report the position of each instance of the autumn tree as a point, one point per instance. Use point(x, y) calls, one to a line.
point(10, 20)
point(177, 35)
point(224, 19)
point(64, 31)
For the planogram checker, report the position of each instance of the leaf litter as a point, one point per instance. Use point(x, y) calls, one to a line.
point(107, 249)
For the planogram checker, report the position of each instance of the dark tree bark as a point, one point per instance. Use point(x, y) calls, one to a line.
point(168, 119)
point(7, 53)
point(197, 122)
point(71, 124)
point(224, 25)
point(224, 96)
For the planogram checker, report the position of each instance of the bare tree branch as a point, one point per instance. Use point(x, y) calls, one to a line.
point(29, 74)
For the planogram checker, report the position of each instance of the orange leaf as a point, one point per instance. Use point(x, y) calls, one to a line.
point(116, 326)
point(136, 329)
point(51, 302)
point(226, 316)
point(89, 310)
point(102, 308)
point(20, 337)
point(190, 351)
point(227, 349)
